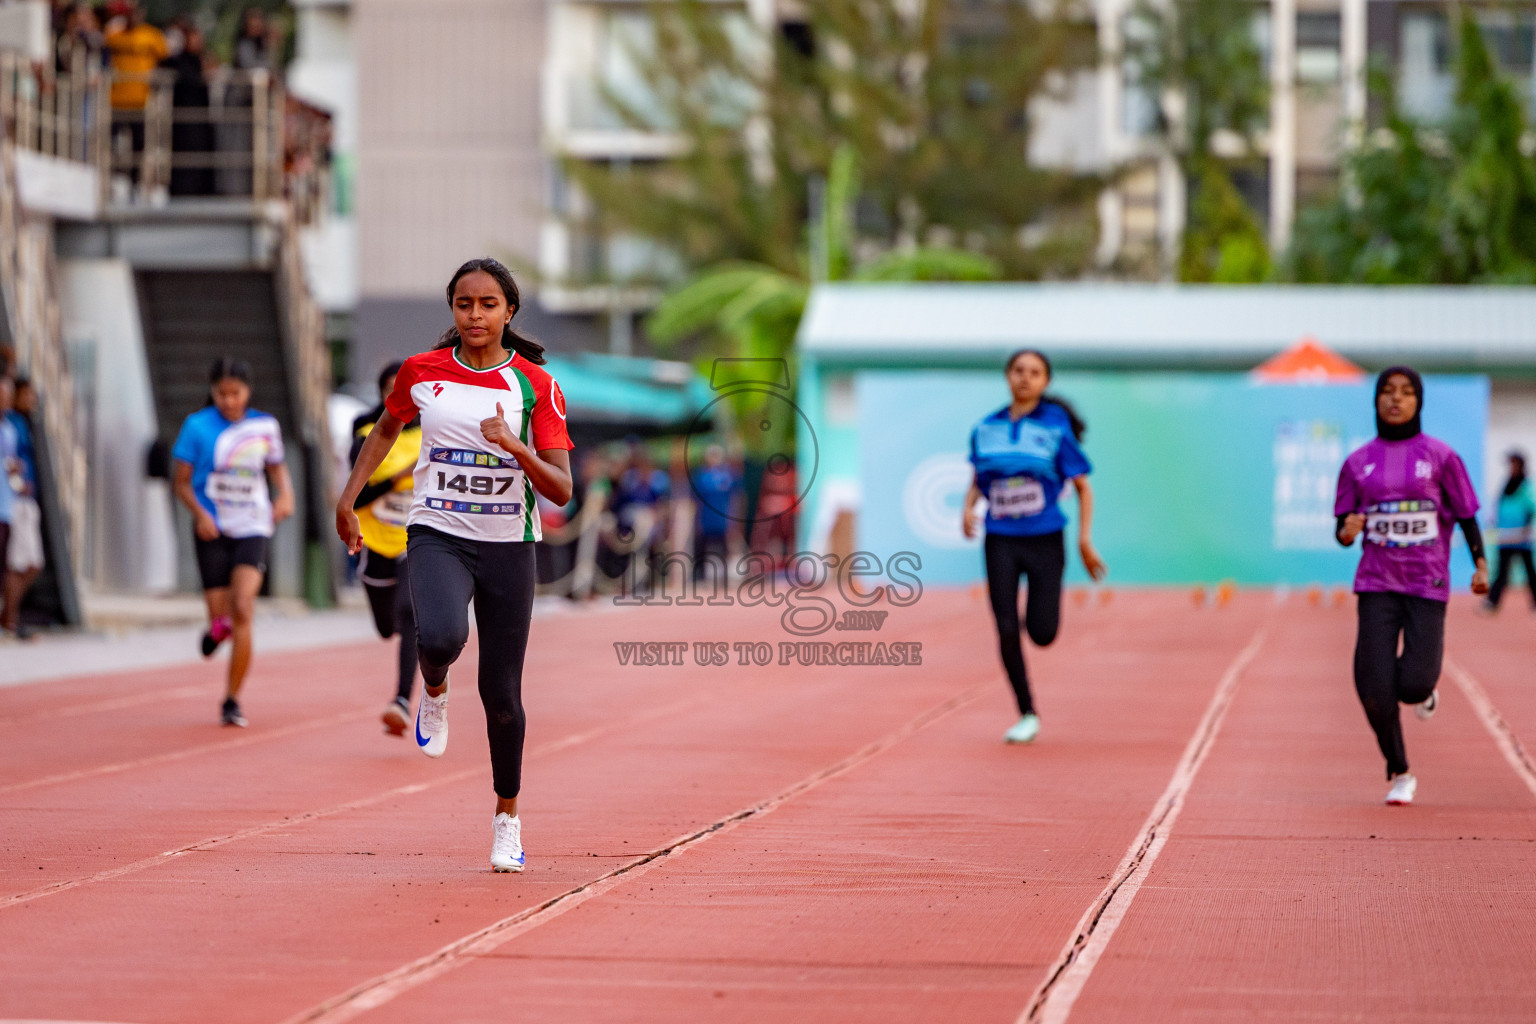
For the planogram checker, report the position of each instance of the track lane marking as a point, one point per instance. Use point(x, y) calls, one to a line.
point(185, 752)
point(304, 817)
point(1053, 1000)
point(1503, 735)
point(382, 989)
point(113, 704)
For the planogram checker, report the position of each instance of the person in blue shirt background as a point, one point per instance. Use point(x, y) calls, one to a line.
point(10, 443)
point(718, 486)
point(1024, 455)
point(1515, 514)
point(225, 457)
point(24, 559)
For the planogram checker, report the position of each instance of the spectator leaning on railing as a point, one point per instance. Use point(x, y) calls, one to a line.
point(137, 48)
point(191, 132)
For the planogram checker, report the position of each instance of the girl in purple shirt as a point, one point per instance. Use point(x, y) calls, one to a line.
point(1406, 492)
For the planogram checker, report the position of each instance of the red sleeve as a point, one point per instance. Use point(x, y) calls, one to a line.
point(400, 403)
point(548, 414)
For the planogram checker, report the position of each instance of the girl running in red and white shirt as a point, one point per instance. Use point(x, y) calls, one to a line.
point(492, 433)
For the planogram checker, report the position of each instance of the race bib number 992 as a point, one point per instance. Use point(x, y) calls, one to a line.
point(1402, 524)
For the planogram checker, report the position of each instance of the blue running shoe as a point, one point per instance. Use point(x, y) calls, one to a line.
point(507, 844)
point(432, 724)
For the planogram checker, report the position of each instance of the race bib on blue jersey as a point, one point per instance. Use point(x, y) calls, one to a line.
point(1402, 524)
point(1015, 497)
point(233, 491)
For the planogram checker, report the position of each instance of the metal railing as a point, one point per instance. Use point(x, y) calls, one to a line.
point(67, 115)
point(234, 133)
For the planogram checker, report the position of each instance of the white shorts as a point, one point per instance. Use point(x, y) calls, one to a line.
point(26, 548)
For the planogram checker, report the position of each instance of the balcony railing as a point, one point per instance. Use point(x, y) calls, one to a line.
point(229, 134)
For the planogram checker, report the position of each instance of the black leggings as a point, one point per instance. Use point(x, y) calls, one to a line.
point(446, 574)
point(387, 583)
point(1501, 578)
point(1041, 560)
point(1383, 677)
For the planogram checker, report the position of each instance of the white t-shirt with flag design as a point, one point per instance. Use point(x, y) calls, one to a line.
point(465, 485)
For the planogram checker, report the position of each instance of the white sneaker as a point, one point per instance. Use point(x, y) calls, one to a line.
point(432, 724)
point(1426, 710)
point(1402, 790)
point(1024, 730)
point(507, 843)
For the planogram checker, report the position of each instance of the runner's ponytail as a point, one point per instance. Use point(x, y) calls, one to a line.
point(1079, 425)
point(511, 340)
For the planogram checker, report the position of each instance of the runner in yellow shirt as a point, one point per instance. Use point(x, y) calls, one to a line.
point(382, 508)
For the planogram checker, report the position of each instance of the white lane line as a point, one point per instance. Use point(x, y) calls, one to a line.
point(185, 752)
point(146, 863)
point(1503, 736)
point(377, 991)
point(204, 690)
point(1052, 1001)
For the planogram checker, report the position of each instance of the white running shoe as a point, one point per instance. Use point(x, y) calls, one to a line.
point(507, 843)
point(1426, 709)
point(432, 724)
point(1402, 790)
point(1024, 730)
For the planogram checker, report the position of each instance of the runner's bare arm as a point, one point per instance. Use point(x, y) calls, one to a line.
point(380, 440)
point(549, 470)
point(969, 519)
point(1349, 528)
point(181, 482)
point(282, 505)
point(1091, 560)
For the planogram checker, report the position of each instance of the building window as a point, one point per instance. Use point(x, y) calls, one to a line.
point(1317, 47)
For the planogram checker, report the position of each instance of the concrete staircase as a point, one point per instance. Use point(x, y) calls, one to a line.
point(191, 318)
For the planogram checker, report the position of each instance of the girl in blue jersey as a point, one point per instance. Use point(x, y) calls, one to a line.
point(226, 456)
point(1024, 455)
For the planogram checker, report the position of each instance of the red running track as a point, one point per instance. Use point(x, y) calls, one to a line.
point(1198, 834)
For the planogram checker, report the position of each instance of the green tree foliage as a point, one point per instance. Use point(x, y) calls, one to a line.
point(1199, 58)
point(931, 99)
point(1223, 242)
point(1446, 204)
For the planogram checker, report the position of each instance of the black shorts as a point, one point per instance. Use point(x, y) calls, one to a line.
point(216, 559)
point(376, 570)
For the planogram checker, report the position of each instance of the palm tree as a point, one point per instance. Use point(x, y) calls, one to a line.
point(751, 310)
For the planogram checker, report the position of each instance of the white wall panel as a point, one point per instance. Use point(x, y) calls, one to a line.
point(450, 149)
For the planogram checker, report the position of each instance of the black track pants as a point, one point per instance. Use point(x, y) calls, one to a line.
point(392, 611)
point(1041, 560)
point(1383, 677)
point(446, 574)
point(1507, 558)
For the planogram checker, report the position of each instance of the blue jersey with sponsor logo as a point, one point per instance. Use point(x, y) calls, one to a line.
point(1021, 467)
